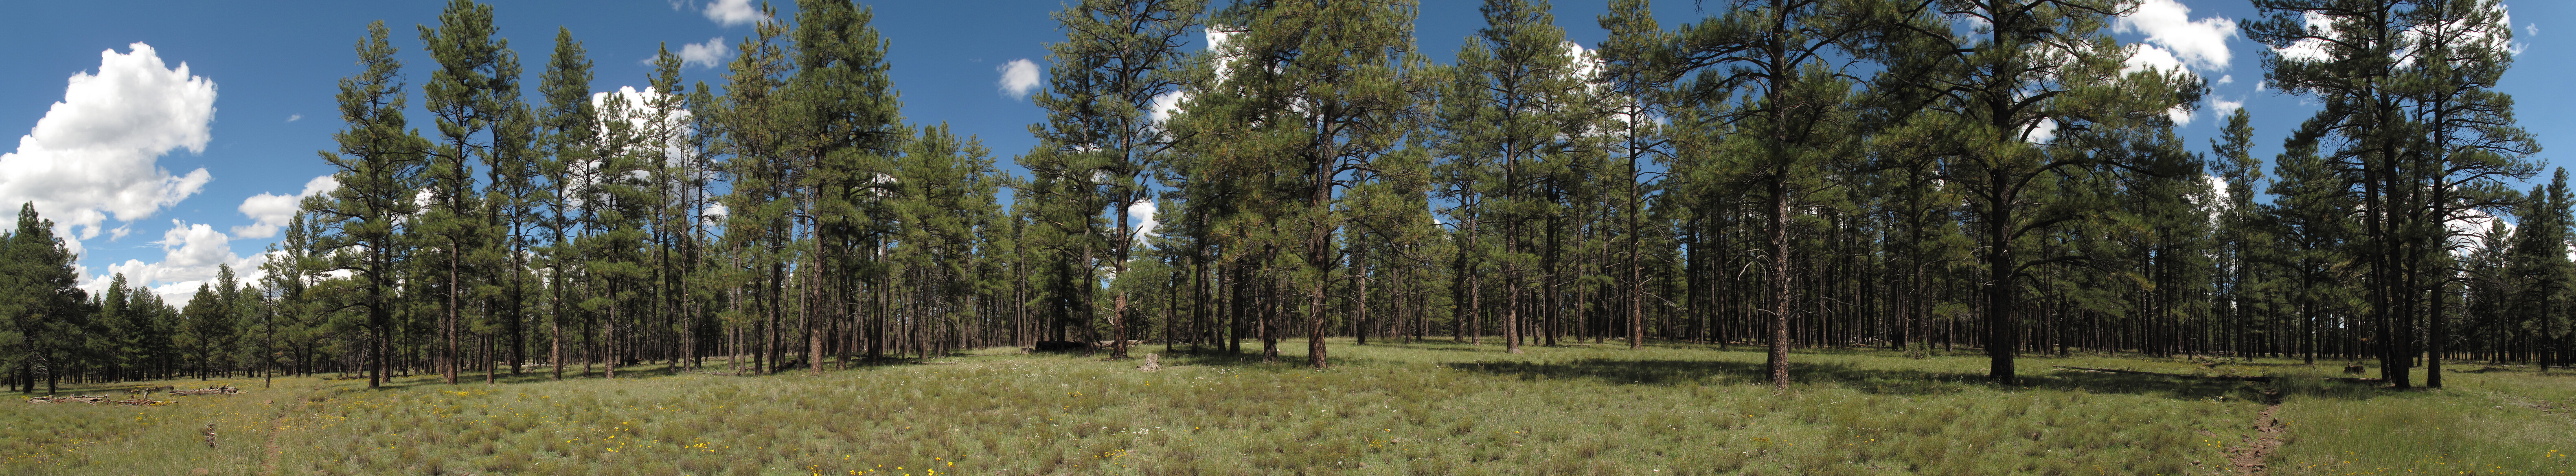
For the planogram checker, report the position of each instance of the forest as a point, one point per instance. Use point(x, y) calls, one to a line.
point(1790, 175)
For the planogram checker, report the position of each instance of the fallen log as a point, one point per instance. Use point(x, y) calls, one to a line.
point(2264, 378)
point(209, 391)
point(70, 399)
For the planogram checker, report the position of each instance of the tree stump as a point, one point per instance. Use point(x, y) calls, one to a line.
point(210, 436)
point(1153, 362)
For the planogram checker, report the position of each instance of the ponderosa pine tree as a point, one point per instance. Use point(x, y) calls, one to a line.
point(944, 203)
point(2459, 50)
point(286, 277)
point(1324, 89)
point(1465, 175)
point(568, 130)
point(1120, 61)
point(470, 92)
point(511, 197)
point(2241, 233)
point(1634, 85)
point(847, 124)
point(41, 309)
point(670, 167)
point(2412, 118)
point(754, 135)
point(1769, 81)
point(378, 165)
point(1514, 81)
point(2537, 268)
point(2347, 63)
point(2010, 92)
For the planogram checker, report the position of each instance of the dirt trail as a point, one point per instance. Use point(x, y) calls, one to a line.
point(268, 465)
point(2267, 440)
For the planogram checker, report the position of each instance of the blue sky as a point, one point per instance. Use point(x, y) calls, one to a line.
point(123, 154)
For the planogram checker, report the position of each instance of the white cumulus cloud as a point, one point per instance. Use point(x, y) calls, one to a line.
point(710, 54)
point(191, 255)
point(1019, 78)
point(96, 152)
point(268, 212)
point(2225, 107)
point(2042, 133)
point(2201, 44)
point(2311, 49)
point(1142, 212)
point(1218, 36)
point(1167, 105)
point(2146, 57)
point(734, 12)
point(637, 111)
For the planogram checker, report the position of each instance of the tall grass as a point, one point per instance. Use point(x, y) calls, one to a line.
point(2500, 421)
point(1386, 409)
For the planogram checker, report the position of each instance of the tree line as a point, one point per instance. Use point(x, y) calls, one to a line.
point(1897, 174)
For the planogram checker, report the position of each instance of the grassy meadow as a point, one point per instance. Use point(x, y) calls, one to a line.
point(1429, 409)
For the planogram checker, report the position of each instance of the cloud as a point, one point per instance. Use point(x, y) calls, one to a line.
point(268, 212)
point(1587, 63)
point(2180, 115)
point(1167, 105)
point(1143, 214)
point(2042, 133)
point(1019, 77)
point(2311, 49)
point(294, 117)
point(2144, 57)
point(710, 54)
point(638, 112)
point(2202, 44)
point(713, 215)
point(2225, 107)
point(2217, 194)
point(96, 152)
point(1217, 37)
point(2225, 79)
point(191, 254)
point(734, 12)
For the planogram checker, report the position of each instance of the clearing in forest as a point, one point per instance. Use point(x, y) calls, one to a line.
point(1384, 409)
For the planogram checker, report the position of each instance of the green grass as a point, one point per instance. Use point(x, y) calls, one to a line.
point(1418, 409)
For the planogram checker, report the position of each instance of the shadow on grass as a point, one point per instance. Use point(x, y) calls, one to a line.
point(1896, 381)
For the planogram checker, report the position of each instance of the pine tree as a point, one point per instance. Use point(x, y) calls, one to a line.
point(2241, 232)
point(1771, 85)
point(2460, 49)
point(2538, 264)
point(1119, 60)
point(287, 278)
point(846, 125)
point(1523, 82)
point(568, 132)
point(1628, 71)
point(41, 312)
point(1324, 89)
point(2028, 74)
point(470, 92)
point(2426, 139)
point(379, 164)
point(754, 133)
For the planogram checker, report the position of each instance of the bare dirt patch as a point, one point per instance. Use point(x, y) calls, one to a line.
point(2249, 459)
